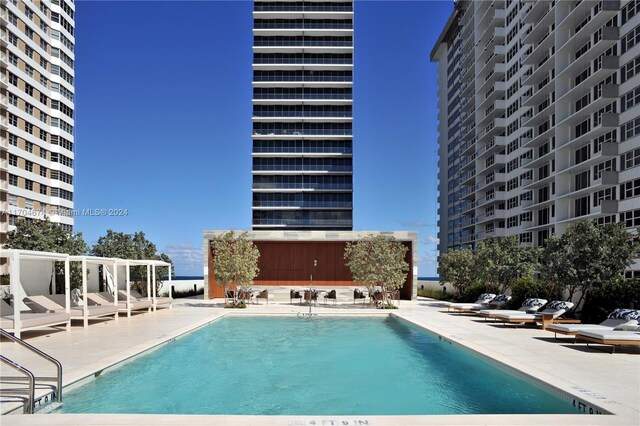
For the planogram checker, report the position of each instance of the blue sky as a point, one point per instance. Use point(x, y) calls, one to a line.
point(163, 120)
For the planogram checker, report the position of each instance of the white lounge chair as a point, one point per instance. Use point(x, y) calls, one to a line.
point(107, 299)
point(158, 301)
point(612, 338)
point(481, 303)
point(495, 303)
point(31, 320)
point(617, 318)
point(552, 312)
point(56, 302)
point(531, 305)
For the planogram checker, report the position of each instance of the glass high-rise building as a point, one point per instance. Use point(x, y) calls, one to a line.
point(302, 115)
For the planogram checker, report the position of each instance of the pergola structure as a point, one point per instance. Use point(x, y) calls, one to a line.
point(18, 292)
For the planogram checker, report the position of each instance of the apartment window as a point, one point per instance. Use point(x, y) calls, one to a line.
point(13, 19)
point(13, 139)
point(28, 89)
point(602, 167)
point(630, 10)
point(43, 153)
point(44, 81)
point(13, 59)
point(13, 99)
point(28, 127)
point(630, 218)
point(13, 160)
point(28, 13)
point(582, 206)
point(583, 128)
point(583, 102)
point(526, 237)
point(28, 108)
point(28, 166)
point(630, 99)
point(43, 171)
point(608, 137)
point(526, 196)
point(630, 39)
point(512, 221)
point(13, 39)
point(28, 146)
point(512, 165)
point(13, 120)
point(13, 200)
point(512, 184)
point(13, 180)
point(630, 129)
point(512, 203)
point(43, 63)
point(28, 51)
point(43, 135)
point(630, 159)
point(511, 109)
point(13, 79)
point(543, 194)
point(43, 189)
point(43, 117)
point(28, 185)
point(583, 154)
point(512, 146)
point(605, 194)
point(526, 217)
point(606, 219)
point(43, 99)
point(630, 189)
point(630, 69)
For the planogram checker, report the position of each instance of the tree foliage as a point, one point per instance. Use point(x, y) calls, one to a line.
point(235, 264)
point(457, 268)
point(134, 246)
point(502, 260)
point(590, 256)
point(378, 261)
point(44, 235)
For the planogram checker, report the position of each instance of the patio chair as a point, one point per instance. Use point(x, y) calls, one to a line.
point(158, 301)
point(264, 294)
point(483, 302)
point(105, 298)
point(618, 319)
point(611, 338)
point(553, 312)
point(31, 320)
point(358, 295)
point(332, 295)
point(311, 296)
point(294, 294)
point(55, 303)
point(528, 306)
point(245, 296)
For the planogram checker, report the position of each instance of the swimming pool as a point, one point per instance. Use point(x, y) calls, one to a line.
point(322, 366)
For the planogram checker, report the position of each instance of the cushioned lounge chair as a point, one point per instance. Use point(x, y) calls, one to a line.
point(56, 302)
point(358, 295)
point(552, 313)
point(619, 318)
point(158, 301)
point(528, 306)
point(106, 299)
point(31, 320)
point(496, 302)
point(612, 338)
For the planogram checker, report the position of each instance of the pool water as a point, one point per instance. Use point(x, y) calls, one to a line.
point(318, 366)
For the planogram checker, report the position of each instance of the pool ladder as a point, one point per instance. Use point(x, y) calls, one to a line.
point(27, 394)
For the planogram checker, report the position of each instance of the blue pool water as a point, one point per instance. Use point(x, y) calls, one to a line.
point(322, 366)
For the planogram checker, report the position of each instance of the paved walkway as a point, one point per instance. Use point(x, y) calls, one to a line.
point(598, 379)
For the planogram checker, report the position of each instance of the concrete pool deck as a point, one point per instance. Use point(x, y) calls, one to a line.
point(599, 380)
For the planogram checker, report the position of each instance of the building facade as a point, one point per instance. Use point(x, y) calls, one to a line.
point(37, 90)
point(302, 115)
point(539, 118)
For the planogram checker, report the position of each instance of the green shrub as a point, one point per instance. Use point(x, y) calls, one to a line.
point(184, 293)
point(472, 292)
point(239, 305)
point(433, 294)
point(526, 288)
point(619, 293)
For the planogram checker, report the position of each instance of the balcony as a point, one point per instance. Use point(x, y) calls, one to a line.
point(495, 197)
point(491, 216)
point(494, 145)
point(495, 179)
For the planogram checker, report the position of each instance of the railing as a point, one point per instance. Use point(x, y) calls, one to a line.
point(301, 8)
point(286, 96)
point(311, 114)
point(332, 204)
point(279, 78)
point(301, 132)
point(30, 392)
point(303, 150)
point(297, 43)
point(283, 60)
point(301, 26)
point(57, 388)
point(302, 186)
point(302, 168)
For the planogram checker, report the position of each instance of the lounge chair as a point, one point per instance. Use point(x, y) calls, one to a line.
point(332, 295)
point(55, 303)
point(158, 301)
point(106, 299)
point(264, 294)
point(552, 313)
point(528, 306)
point(31, 320)
point(612, 337)
point(358, 295)
point(619, 318)
point(481, 303)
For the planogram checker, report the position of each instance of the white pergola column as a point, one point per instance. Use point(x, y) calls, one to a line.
point(115, 288)
point(153, 288)
point(85, 305)
point(14, 285)
point(170, 288)
point(67, 289)
point(153, 305)
point(128, 284)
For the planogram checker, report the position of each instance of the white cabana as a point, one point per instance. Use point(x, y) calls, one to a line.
point(90, 281)
point(36, 267)
point(151, 277)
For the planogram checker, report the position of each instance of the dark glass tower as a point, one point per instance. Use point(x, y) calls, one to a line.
point(302, 115)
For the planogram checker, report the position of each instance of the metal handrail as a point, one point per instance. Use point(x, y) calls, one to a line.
point(32, 383)
point(58, 388)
